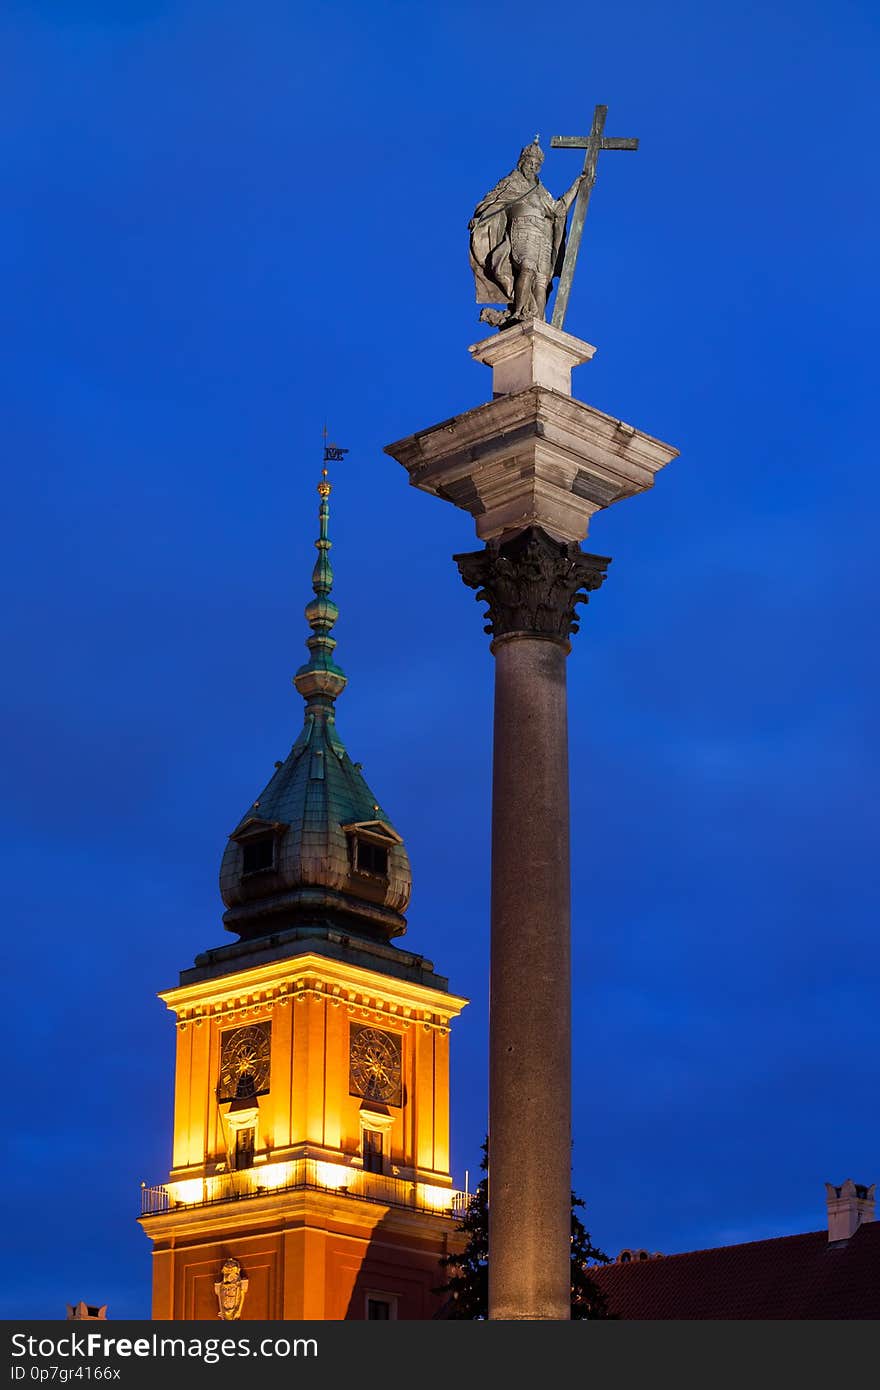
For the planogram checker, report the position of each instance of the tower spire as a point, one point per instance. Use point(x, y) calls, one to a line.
point(320, 680)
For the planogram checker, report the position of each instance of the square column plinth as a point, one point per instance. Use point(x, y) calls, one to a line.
point(531, 354)
point(532, 456)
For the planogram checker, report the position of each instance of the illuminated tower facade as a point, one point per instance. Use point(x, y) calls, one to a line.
point(310, 1174)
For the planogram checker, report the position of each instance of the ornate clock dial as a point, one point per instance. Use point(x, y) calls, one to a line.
point(374, 1065)
point(244, 1061)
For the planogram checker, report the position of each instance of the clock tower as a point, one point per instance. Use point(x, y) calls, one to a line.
point(310, 1170)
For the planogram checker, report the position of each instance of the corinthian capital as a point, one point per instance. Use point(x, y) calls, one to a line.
point(532, 584)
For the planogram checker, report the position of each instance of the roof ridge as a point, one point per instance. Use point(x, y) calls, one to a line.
point(711, 1249)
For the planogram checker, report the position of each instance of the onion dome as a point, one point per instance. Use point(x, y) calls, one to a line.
point(316, 847)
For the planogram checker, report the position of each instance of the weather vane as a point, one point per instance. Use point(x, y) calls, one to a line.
point(518, 245)
point(332, 452)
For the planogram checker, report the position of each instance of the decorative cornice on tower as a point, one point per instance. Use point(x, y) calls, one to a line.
point(532, 584)
point(320, 680)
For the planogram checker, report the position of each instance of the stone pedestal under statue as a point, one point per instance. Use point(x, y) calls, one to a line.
point(531, 466)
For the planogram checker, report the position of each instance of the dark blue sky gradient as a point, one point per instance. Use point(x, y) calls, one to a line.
point(226, 221)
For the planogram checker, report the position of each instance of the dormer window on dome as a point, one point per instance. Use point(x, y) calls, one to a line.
point(370, 858)
point(258, 840)
point(370, 845)
point(258, 854)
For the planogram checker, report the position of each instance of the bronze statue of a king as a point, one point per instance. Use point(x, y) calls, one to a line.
point(518, 242)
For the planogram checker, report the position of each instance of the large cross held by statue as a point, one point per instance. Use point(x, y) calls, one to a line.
point(591, 144)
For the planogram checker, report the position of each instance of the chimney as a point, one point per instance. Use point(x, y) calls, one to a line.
point(86, 1312)
point(849, 1207)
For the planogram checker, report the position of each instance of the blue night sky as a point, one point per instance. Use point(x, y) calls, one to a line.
point(226, 221)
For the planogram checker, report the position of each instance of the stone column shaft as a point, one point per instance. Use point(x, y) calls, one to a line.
point(530, 987)
point(531, 584)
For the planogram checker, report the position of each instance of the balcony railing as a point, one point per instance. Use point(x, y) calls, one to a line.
point(266, 1178)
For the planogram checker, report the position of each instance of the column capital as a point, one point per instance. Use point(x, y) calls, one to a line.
point(531, 584)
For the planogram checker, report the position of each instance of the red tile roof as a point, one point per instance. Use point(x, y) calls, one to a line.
point(790, 1277)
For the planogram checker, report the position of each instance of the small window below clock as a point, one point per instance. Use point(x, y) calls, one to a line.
point(370, 858)
point(244, 1147)
point(373, 1159)
point(258, 854)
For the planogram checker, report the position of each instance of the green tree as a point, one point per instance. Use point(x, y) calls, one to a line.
point(467, 1287)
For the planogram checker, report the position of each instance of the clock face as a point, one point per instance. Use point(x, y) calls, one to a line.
point(374, 1065)
point(244, 1061)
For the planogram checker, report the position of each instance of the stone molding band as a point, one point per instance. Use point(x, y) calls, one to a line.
point(531, 584)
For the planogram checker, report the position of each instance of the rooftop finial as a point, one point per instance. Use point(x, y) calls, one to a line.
point(320, 680)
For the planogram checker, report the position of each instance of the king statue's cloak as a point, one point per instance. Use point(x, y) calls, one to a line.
point(490, 238)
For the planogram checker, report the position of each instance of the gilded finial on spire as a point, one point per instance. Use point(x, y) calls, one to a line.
point(320, 680)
